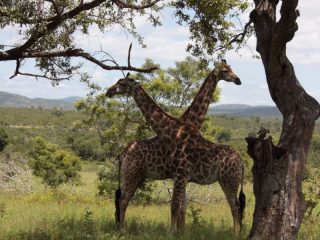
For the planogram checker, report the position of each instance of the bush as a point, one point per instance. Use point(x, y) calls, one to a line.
point(107, 180)
point(4, 139)
point(223, 136)
point(108, 183)
point(55, 166)
point(312, 192)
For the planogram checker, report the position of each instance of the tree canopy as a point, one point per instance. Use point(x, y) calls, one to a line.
point(119, 121)
point(48, 31)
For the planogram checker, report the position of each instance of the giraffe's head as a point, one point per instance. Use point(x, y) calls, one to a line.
point(224, 72)
point(123, 86)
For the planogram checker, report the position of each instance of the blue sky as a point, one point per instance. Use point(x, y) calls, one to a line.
point(167, 44)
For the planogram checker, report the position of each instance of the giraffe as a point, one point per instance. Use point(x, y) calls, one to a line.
point(149, 158)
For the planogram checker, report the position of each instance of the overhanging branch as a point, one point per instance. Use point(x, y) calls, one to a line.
point(56, 21)
point(53, 23)
point(122, 4)
point(70, 53)
point(238, 38)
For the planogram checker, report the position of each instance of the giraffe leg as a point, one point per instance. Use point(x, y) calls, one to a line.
point(182, 216)
point(128, 189)
point(230, 190)
point(178, 203)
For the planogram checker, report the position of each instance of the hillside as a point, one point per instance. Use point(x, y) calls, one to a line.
point(237, 110)
point(19, 101)
point(241, 110)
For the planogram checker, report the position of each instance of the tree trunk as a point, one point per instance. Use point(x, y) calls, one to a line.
point(278, 169)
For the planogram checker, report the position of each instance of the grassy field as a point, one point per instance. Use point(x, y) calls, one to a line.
point(75, 212)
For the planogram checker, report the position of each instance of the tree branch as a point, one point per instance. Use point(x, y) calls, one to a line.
point(238, 38)
point(70, 53)
point(122, 4)
point(286, 26)
point(56, 79)
point(129, 55)
point(17, 69)
point(55, 6)
point(54, 22)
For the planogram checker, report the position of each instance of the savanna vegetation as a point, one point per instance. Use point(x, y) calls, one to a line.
point(58, 168)
point(47, 38)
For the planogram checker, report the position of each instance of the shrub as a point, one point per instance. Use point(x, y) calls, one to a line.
point(4, 139)
point(312, 191)
point(107, 184)
point(223, 136)
point(55, 166)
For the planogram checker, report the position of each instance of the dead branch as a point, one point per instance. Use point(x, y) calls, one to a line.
point(37, 76)
point(129, 55)
point(238, 38)
point(17, 69)
point(192, 196)
point(15, 174)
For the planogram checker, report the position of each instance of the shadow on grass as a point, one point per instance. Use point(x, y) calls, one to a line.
point(88, 228)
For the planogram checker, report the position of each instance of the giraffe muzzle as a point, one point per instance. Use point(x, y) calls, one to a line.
point(110, 92)
point(237, 81)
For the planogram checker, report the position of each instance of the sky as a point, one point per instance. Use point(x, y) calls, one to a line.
point(166, 45)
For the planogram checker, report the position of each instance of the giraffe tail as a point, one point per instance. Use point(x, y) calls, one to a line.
point(242, 199)
point(117, 205)
point(118, 193)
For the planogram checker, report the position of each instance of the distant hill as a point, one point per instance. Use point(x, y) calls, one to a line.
point(242, 110)
point(237, 110)
point(19, 101)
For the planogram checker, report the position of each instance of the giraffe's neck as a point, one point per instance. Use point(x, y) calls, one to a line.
point(196, 112)
point(160, 121)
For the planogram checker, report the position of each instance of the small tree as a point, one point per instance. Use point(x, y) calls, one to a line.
point(4, 139)
point(223, 136)
point(55, 166)
point(107, 183)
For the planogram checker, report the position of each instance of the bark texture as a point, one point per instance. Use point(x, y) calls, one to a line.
point(278, 169)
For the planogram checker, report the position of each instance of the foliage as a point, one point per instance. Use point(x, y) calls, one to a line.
point(211, 23)
point(62, 216)
point(53, 26)
point(50, 29)
point(4, 139)
point(223, 135)
point(36, 118)
point(88, 230)
point(116, 123)
point(54, 165)
point(314, 151)
point(86, 144)
point(195, 214)
point(107, 183)
point(312, 192)
point(119, 122)
point(176, 86)
point(2, 209)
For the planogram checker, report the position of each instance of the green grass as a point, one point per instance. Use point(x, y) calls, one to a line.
point(75, 212)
